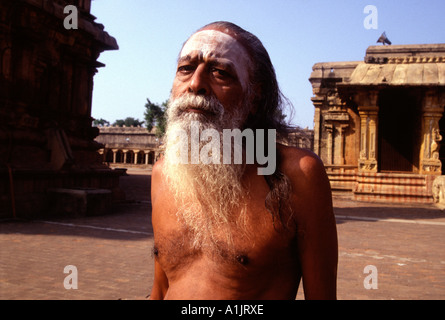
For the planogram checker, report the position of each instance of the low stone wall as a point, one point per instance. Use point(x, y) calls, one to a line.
point(394, 187)
point(27, 194)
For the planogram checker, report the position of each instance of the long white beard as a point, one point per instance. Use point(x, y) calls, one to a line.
point(209, 196)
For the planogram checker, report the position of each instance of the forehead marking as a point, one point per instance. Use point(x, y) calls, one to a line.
point(213, 43)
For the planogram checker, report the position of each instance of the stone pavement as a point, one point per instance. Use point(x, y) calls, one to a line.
point(402, 244)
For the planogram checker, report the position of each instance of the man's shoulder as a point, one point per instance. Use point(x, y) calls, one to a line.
point(297, 161)
point(310, 185)
point(158, 167)
point(157, 179)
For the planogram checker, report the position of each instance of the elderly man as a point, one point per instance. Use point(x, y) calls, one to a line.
point(223, 230)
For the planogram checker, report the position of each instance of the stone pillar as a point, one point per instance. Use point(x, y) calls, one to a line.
point(330, 131)
point(114, 154)
point(317, 120)
point(125, 151)
point(146, 152)
point(432, 111)
point(368, 111)
point(336, 120)
point(136, 156)
point(341, 157)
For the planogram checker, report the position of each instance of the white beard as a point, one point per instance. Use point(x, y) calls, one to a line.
point(210, 197)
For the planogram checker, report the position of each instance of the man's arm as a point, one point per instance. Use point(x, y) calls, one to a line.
point(317, 232)
point(160, 282)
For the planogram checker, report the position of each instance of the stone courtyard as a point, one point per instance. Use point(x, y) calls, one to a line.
point(112, 253)
point(46, 88)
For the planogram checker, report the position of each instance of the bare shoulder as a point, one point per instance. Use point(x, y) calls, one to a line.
point(311, 191)
point(157, 176)
point(158, 185)
point(300, 163)
point(158, 168)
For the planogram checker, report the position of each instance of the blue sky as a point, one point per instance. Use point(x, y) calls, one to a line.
point(296, 33)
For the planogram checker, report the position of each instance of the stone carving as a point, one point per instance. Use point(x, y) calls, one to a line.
point(46, 84)
point(435, 144)
point(439, 190)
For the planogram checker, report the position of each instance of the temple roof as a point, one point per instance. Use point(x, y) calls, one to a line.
point(405, 73)
point(400, 65)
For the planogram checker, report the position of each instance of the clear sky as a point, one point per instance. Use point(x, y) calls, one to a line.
point(296, 33)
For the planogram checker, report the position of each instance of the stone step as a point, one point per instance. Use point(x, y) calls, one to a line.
point(342, 181)
point(393, 187)
point(78, 202)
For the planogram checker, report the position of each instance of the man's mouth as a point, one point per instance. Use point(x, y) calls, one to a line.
point(199, 110)
point(196, 110)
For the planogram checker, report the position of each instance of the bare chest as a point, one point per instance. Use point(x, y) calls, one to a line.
point(234, 254)
point(259, 247)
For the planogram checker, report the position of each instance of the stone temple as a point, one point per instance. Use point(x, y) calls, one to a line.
point(379, 124)
point(48, 155)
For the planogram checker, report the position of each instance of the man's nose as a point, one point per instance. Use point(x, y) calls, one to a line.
point(199, 84)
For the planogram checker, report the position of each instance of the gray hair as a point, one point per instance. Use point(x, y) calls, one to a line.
point(269, 102)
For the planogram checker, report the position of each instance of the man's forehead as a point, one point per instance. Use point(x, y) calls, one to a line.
point(211, 43)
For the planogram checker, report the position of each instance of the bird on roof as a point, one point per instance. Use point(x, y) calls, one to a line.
point(383, 39)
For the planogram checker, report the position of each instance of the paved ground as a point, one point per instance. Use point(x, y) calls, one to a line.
point(403, 245)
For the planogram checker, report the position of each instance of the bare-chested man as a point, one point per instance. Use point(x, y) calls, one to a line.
point(222, 230)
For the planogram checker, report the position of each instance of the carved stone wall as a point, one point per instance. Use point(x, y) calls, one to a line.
point(432, 111)
point(46, 86)
point(334, 130)
point(368, 110)
point(348, 100)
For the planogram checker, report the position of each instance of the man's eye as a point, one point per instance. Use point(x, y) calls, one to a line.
point(185, 69)
point(221, 73)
